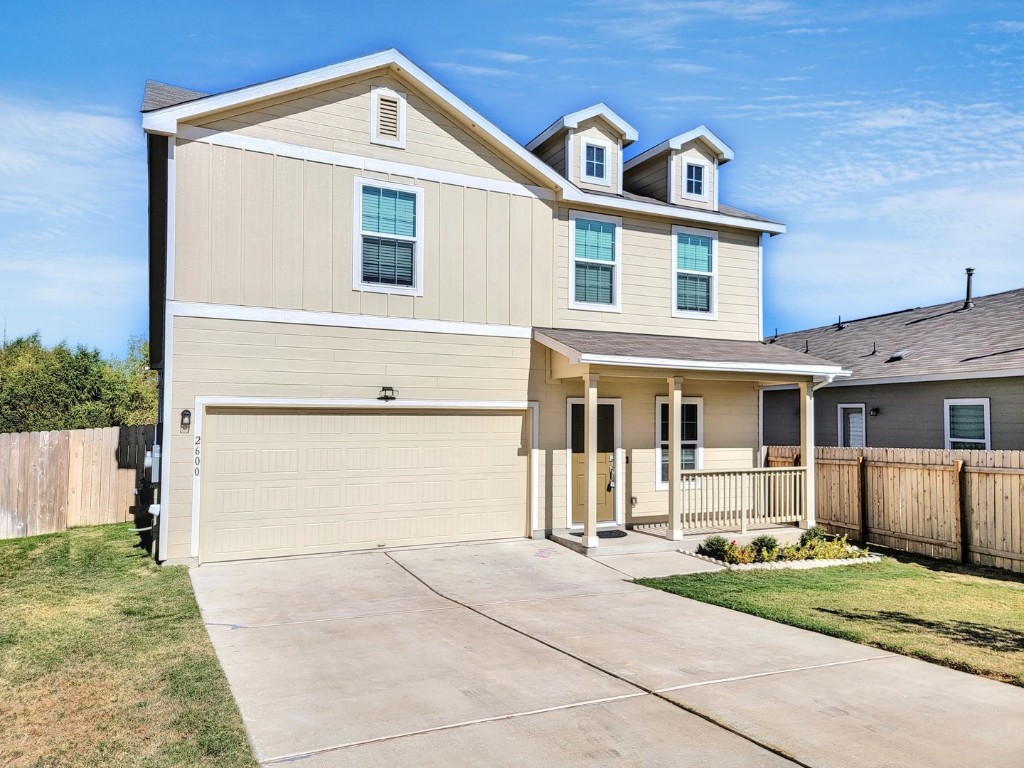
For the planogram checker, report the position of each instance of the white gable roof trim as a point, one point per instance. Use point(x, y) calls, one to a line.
point(573, 119)
point(166, 122)
point(723, 151)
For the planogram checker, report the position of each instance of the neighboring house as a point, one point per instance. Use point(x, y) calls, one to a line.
point(947, 376)
point(381, 321)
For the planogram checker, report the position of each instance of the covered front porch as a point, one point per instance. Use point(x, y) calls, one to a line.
point(704, 422)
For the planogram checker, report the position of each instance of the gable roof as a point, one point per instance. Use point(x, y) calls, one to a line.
point(159, 95)
point(722, 150)
point(165, 121)
point(573, 119)
point(940, 342)
point(645, 350)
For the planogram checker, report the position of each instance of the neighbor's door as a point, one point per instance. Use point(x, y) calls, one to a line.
point(605, 462)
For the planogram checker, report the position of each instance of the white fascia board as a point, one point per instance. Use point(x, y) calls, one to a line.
point(573, 119)
point(924, 378)
point(706, 365)
point(338, 320)
point(725, 153)
point(165, 121)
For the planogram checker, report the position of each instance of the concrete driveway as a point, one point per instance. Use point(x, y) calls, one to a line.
point(526, 654)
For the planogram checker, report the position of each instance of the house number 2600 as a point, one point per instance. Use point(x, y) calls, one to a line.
point(198, 455)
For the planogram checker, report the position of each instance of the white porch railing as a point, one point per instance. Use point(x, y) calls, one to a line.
point(732, 499)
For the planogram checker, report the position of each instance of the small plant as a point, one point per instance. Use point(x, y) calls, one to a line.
point(714, 546)
point(737, 555)
point(814, 533)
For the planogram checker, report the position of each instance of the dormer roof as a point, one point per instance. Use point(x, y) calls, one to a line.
point(573, 119)
point(721, 150)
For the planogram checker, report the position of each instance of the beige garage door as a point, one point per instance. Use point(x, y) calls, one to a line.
point(283, 483)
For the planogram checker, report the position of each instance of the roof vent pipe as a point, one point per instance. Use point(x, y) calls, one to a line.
point(969, 302)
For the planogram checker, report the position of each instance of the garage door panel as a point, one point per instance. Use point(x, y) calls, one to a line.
point(289, 483)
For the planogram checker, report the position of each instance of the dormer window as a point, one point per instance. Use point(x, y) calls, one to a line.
point(695, 181)
point(594, 162)
point(387, 117)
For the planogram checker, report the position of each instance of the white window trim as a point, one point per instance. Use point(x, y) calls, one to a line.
point(357, 239)
point(620, 462)
point(983, 401)
point(688, 161)
point(375, 138)
point(659, 401)
point(839, 420)
point(616, 305)
point(713, 274)
point(606, 180)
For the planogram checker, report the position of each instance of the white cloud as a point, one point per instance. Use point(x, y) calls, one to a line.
point(475, 71)
point(1008, 26)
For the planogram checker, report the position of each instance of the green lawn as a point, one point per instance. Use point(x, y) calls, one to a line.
point(104, 659)
point(966, 618)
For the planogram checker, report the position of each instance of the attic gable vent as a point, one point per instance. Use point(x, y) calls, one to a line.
point(387, 117)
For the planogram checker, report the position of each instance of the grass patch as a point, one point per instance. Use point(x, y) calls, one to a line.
point(104, 659)
point(963, 617)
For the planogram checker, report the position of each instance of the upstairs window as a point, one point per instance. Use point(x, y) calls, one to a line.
point(595, 246)
point(387, 117)
point(967, 424)
point(595, 160)
point(695, 261)
point(389, 240)
point(695, 180)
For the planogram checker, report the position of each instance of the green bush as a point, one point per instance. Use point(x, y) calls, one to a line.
point(714, 546)
point(814, 533)
point(766, 548)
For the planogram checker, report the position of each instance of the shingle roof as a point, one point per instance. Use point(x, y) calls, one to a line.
point(655, 347)
point(940, 340)
point(725, 210)
point(159, 95)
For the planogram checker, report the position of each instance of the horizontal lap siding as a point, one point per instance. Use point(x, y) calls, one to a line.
point(337, 119)
point(230, 358)
point(692, 153)
point(647, 285)
point(552, 152)
point(650, 178)
point(264, 231)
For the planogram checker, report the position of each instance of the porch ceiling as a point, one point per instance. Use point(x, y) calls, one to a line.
point(682, 353)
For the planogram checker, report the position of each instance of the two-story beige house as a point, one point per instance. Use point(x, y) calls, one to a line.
point(380, 321)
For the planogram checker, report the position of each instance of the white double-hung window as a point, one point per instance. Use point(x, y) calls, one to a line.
point(694, 272)
point(691, 436)
point(388, 245)
point(967, 424)
point(595, 249)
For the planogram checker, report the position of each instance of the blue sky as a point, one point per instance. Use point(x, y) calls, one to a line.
point(889, 137)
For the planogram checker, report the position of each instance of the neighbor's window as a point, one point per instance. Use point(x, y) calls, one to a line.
point(851, 426)
point(695, 180)
point(596, 250)
point(695, 264)
point(595, 162)
point(389, 247)
point(967, 424)
point(691, 431)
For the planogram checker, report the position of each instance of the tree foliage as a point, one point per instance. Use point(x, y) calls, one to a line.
point(63, 388)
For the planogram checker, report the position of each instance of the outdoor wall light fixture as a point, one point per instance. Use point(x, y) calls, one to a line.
point(387, 394)
point(875, 411)
point(186, 420)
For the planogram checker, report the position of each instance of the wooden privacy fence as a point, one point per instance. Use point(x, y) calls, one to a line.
point(958, 505)
point(50, 481)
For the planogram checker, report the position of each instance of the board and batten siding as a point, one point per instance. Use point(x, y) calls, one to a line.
point(337, 118)
point(234, 358)
point(259, 230)
point(648, 284)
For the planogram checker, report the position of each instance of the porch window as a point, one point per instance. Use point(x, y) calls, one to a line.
point(695, 269)
point(388, 248)
point(967, 424)
point(692, 436)
point(596, 254)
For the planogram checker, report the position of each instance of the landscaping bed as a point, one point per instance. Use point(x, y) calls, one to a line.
point(104, 659)
point(966, 617)
point(816, 548)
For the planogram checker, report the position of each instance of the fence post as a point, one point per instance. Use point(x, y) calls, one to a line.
point(862, 497)
point(962, 512)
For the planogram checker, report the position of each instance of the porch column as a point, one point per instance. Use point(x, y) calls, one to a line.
point(590, 451)
point(675, 459)
point(807, 449)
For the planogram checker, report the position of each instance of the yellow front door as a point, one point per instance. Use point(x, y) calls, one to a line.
point(606, 469)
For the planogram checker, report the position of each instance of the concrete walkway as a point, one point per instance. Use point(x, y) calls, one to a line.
point(526, 654)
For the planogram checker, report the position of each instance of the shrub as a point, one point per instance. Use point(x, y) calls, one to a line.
point(740, 555)
point(714, 546)
point(814, 533)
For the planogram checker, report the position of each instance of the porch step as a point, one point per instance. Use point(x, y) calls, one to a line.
point(651, 538)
